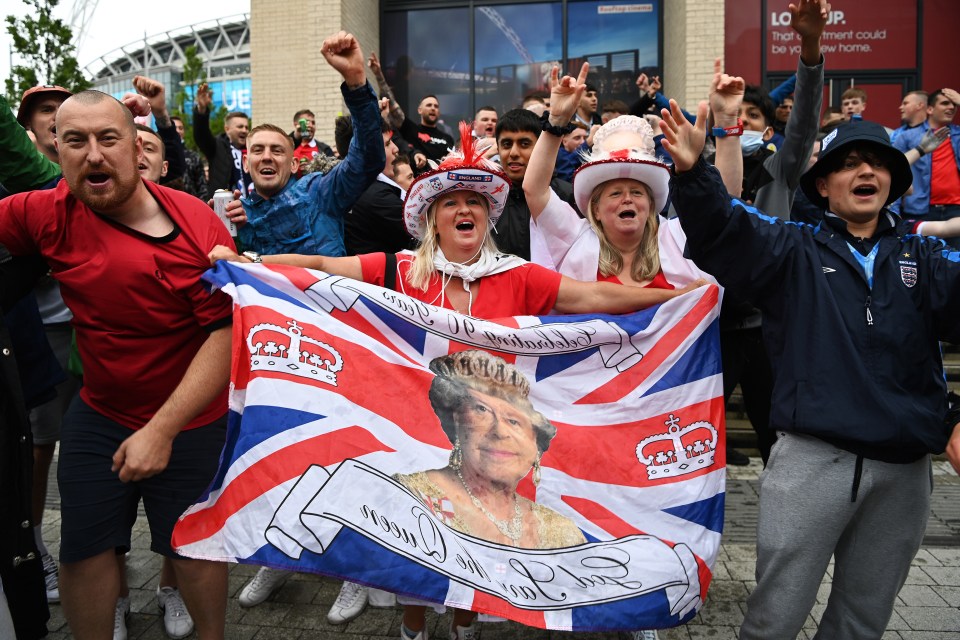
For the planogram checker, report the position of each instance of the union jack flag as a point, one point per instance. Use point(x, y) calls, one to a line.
point(328, 403)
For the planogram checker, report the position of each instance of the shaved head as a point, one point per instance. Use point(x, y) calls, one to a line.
point(93, 97)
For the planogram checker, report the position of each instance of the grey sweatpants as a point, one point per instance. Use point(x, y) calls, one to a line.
point(806, 516)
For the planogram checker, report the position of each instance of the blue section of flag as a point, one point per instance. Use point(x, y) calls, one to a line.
point(233, 433)
point(546, 367)
point(701, 360)
point(411, 333)
point(631, 325)
point(355, 557)
point(224, 273)
point(642, 612)
point(707, 513)
point(268, 421)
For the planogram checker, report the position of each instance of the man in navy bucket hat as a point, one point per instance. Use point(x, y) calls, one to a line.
point(854, 309)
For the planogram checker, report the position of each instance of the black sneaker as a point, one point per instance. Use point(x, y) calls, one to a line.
point(737, 458)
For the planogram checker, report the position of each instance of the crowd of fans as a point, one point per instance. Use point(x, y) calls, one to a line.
point(834, 304)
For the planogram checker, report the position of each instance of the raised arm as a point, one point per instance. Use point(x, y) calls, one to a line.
point(565, 96)
point(395, 113)
point(156, 95)
point(783, 90)
point(726, 94)
point(740, 247)
point(365, 157)
point(808, 18)
point(201, 122)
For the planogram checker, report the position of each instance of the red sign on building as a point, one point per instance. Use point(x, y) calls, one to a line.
point(859, 35)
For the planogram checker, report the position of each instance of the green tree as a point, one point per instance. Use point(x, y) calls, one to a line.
point(192, 76)
point(42, 45)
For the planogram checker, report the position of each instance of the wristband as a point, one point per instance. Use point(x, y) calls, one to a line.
point(723, 132)
point(553, 129)
point(920, 150)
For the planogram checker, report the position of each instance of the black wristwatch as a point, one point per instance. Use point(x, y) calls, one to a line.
point(553, 129)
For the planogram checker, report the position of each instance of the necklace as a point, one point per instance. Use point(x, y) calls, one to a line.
point(513, 529)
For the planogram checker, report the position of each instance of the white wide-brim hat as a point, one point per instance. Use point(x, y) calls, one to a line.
point(465, 170)
point(647, 170)
point(639, 164)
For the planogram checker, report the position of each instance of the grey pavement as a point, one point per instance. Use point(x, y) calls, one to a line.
point(928, 607)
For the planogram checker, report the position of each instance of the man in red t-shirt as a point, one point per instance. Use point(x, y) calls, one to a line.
point(936, 179)
point(944, 172)
point(150, 420)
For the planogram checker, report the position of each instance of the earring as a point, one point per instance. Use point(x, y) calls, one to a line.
point(456, 456)
point(536, 470)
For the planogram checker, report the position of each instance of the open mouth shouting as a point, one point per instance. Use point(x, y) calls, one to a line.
point(98, 180)
point(465, 226)
point(865, 190)
point(627, 214)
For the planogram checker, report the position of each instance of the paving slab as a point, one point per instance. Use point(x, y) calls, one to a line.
point(928, 607)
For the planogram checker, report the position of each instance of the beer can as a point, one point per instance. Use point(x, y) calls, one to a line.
point(220, 199)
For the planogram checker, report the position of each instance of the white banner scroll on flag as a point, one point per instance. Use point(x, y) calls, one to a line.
point(338, 460)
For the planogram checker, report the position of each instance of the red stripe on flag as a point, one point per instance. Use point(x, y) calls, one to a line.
point(602, 517)
point(356, 321)
point(279, 467)
point(608, 454)
point(486, 603)
point(619, 387)
point(298, 276)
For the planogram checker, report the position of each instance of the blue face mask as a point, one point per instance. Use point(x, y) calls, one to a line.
point(750, 141)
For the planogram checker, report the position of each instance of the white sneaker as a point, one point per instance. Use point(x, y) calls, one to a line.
point(262, 586)
point(464, 633)
point(120, 614)
point(176, 619)
point(421, 635)
point(349, 604)
point(646, 634)
point(51, 577)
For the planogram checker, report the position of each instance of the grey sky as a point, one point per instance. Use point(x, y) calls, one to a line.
point(116, 23)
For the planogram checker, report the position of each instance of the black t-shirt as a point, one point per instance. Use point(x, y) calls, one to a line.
point(431, 141)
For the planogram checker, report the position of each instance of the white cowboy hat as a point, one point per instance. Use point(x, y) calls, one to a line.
point(636, 163)
point(461, 170)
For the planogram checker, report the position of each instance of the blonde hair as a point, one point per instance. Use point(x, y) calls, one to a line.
point(646, 260)
point(422, 270)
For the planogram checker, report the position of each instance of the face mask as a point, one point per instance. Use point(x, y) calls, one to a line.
point(750, 141)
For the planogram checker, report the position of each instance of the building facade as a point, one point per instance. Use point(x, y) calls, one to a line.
point(473, 53)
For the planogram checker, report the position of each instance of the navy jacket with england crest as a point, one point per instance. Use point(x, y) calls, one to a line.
point(856, 361)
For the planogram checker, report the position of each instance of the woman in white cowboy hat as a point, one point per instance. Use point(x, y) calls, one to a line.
point(620, 189)
point(450, 211)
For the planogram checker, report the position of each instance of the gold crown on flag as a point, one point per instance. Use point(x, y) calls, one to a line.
point(287, 350)
point(688, 449)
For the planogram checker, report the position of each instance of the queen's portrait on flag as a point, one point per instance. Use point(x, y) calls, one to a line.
point(498, 439)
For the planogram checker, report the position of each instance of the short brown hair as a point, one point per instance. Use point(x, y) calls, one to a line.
point(163, 147)
point(854, 92)
point(269, 127)
point(236, 114)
